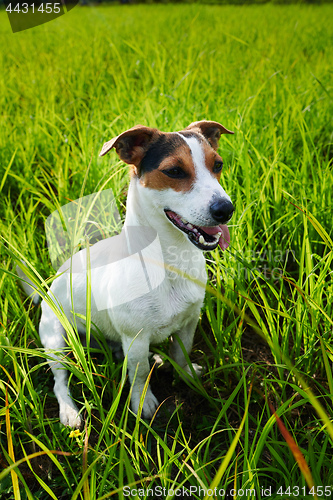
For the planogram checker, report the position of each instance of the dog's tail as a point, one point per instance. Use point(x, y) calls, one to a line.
point(27, 285)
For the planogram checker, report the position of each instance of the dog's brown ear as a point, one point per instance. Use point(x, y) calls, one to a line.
point(132, 144)
point(211, 130)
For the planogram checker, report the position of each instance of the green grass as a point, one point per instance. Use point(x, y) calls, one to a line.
point(67, 87)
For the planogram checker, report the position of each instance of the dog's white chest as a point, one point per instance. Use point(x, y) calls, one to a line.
point(165, 310)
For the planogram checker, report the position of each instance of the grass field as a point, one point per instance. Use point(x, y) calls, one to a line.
point(266, 343)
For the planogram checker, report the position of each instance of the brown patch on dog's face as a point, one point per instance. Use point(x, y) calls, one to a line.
point(169, 163)
point(213, 161)
point(175, 170)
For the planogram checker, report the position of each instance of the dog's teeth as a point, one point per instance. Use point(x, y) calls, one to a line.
point(184, 221)
point(190, 226)
point(202, 240)
point(195, 230)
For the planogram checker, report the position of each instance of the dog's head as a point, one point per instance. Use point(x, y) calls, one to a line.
point(181, 171)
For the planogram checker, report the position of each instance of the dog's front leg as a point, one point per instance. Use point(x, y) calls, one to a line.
point(137, 352)
point(52, 335)
point(185, 336)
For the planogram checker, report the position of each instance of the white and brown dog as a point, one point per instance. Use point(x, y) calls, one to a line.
point(175, 190)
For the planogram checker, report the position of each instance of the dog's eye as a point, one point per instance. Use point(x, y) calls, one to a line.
point(175, 173)
point(217, 166)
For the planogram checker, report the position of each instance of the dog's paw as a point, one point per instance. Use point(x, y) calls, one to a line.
point(149, 406)
point(198, 370)
point(70, 417)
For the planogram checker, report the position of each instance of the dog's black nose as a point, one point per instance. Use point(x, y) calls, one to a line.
point(222, 210)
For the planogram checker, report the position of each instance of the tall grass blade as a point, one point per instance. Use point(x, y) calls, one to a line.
point(15, 482)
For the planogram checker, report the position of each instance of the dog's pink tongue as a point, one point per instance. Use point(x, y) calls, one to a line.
point(224, 240)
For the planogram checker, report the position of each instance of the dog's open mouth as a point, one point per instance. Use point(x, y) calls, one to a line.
point(204, 237)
